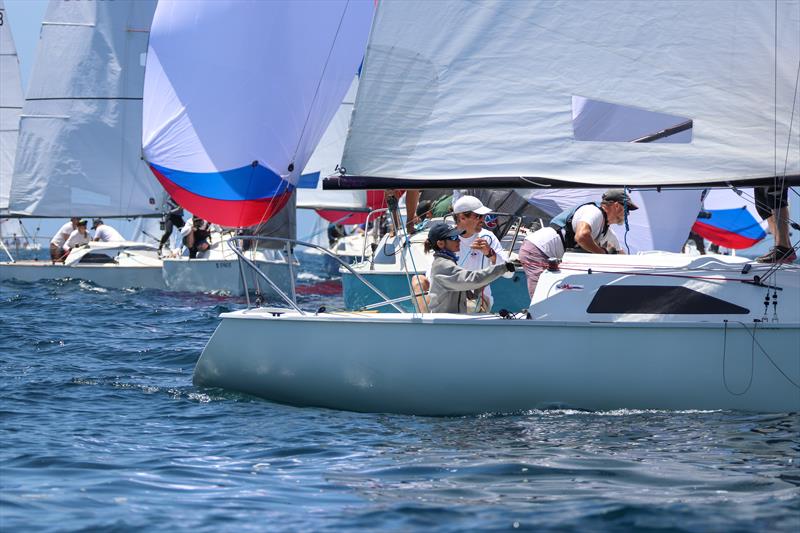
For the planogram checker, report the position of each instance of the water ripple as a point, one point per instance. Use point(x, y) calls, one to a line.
point(102, 430)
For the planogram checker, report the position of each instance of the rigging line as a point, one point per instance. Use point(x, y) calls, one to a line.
point(681, 276)
point(754, 201)
point(752, 334)
point(725, 357)
point(319, 82)
point(789, 136)
point(775, 113)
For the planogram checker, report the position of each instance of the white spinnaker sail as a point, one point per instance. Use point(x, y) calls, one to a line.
point(229, 141)
point(10, 106)
point(484, 89)
point(327, 155)
point(79, 151)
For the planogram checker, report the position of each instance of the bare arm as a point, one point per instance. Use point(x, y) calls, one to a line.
point(583, 236)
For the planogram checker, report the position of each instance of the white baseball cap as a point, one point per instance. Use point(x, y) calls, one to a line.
point(470, 204)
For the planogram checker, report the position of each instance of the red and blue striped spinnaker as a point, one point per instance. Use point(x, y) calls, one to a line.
point(238, 94)
point(732, 228)
point(729, 218)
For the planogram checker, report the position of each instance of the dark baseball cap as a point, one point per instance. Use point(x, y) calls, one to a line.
point(441, 232)
point(618, 195)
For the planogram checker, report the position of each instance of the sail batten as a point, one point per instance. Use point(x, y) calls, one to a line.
point(472, 90)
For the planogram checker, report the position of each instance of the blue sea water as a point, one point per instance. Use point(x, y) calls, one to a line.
point(101, 429)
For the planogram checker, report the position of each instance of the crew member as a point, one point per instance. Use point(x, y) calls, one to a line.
point(584, 227)
point(105, 233)
point(61, 236)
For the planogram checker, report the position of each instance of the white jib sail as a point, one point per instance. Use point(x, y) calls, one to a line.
point(10, 106)
point(482, 89)
point(79, 151)
point(326, 157)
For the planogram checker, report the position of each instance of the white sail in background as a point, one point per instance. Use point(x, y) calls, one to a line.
point(10, 106)
point(465, 90)
point(80, 134)
point(327, 155)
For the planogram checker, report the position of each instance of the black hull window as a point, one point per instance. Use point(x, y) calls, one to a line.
point(655, 300)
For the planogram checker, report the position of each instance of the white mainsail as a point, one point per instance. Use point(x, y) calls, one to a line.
point(79, 151)
point(325, 159)
point(10, 106)
point(465, 90)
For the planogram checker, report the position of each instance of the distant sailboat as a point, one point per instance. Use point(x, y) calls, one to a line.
point(78, 152)
point(10, 107)
point(480, 94)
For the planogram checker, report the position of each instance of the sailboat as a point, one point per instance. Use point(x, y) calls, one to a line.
point(78, 148)
point(480, 94)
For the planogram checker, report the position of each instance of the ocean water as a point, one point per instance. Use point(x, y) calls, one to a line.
point(102, 430)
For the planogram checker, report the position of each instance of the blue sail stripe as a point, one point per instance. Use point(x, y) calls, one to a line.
point(245, 183)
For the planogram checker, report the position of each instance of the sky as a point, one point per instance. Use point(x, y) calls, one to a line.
point(25, 19)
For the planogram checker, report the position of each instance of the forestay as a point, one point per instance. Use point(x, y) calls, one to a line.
point(466, 90)
point(79, 151)
point(238, 94)
point(10, 106)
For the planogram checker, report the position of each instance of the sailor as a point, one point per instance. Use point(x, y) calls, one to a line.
point(452, 286)
point(172, 218)
point(478, 249)
point(78, 237)
point(61, 236)
point(104, 232)
point(772, 204)
point(584, 227)
point(196, 233)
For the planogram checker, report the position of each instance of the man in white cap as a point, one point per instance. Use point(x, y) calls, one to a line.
point(104, 232)
point(584, 227)
point(478, 249)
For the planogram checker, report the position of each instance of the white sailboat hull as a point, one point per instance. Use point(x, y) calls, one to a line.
point(105, 275)
point(223, 275)
point(455, 365)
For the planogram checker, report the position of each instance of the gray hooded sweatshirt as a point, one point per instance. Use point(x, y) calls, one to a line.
point(450, 283)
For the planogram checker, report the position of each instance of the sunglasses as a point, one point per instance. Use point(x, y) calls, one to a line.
point(453, 238)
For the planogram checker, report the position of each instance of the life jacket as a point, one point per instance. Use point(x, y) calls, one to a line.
point(562, 223)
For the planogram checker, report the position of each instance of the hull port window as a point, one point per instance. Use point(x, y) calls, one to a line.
point(659, 300)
